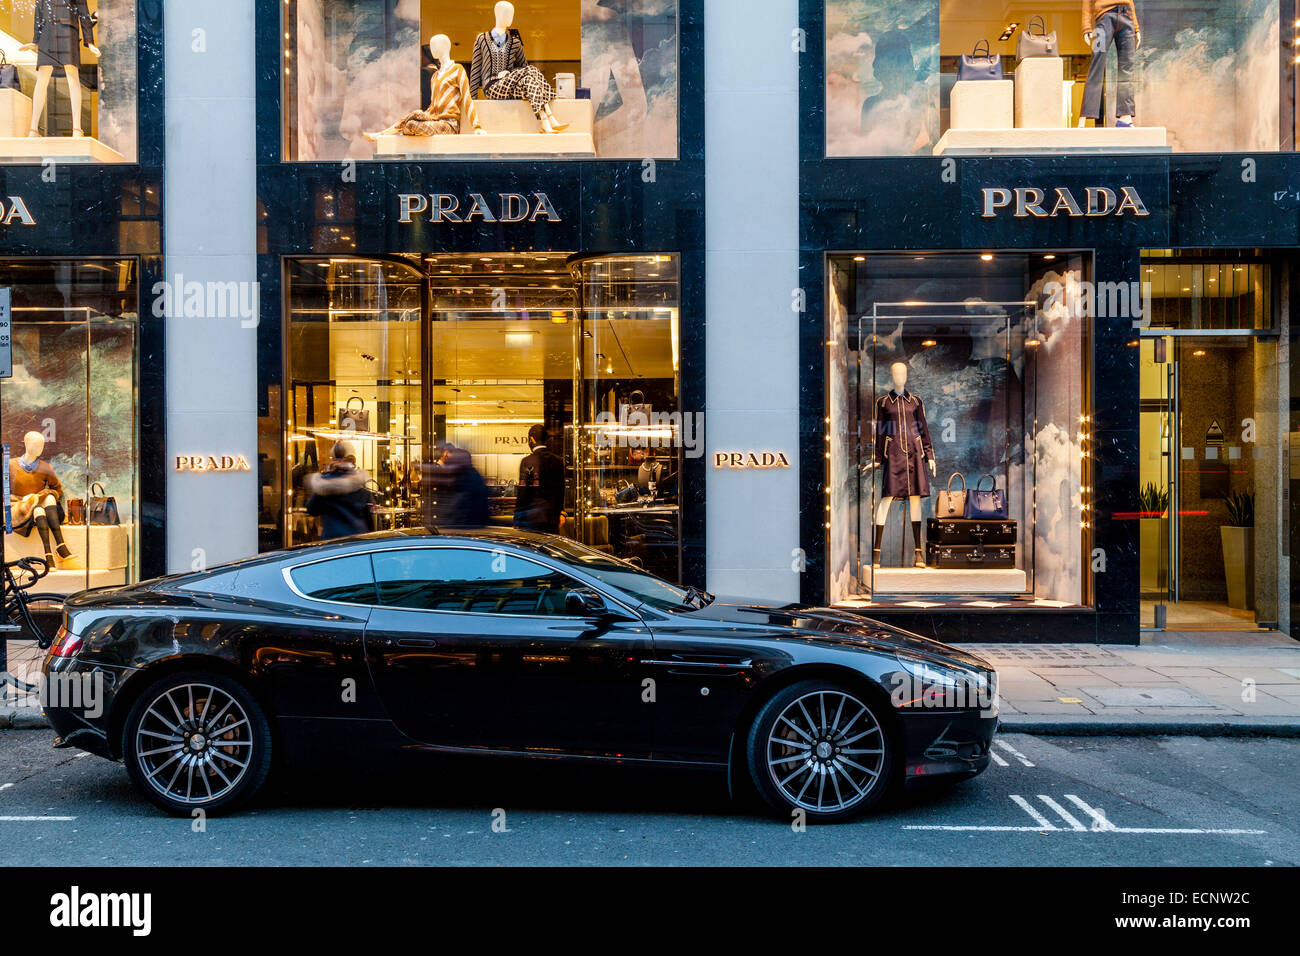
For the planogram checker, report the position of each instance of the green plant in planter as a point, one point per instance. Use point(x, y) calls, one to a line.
point(1241, 510)
point(1153, 501)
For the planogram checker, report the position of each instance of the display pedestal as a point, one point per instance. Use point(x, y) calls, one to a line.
point(984, 142)
point(66, 149)
point(1038, 93)
point(961, 581)
point(983, 104)
point(105, 549)
point(510, 130)
point(15, 114)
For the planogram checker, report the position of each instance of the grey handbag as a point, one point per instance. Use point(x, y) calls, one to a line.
point(952, 504)
point(1033, 44)
point(980, 66)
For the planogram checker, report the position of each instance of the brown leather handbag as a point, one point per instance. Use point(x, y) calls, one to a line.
point(76, 511)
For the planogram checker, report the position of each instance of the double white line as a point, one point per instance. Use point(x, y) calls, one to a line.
point(1001, 761)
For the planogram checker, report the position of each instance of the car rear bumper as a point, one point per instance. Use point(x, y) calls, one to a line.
point(78, 699)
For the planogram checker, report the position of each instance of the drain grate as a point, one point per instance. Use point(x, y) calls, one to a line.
point(1044, 654)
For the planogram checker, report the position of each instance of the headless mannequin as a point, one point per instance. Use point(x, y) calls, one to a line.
point(505, 19)
point(43, 507)
point(898, 375)
point(40, 95)
point(440, 50)
point(1126, 119)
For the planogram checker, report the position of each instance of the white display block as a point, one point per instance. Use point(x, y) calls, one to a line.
point(510, 130)
point(984, 142)
point(1038, 93)
point(15, 113)
point(101, 547)
point(955, 582)
point(66, 149)
point(983, 104)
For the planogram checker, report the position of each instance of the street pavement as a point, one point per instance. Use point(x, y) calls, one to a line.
point(1046, 801)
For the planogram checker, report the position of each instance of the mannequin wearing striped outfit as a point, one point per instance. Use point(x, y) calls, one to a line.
point(502, 71)
point(451, 105)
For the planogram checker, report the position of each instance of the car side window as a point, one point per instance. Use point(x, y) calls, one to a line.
point(469, 581)
point(346, 580)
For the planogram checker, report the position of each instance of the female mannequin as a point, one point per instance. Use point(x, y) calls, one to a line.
point(36, 500)
point(502, 72)
point(57, 43)
point(450, 101)
point(904, 450)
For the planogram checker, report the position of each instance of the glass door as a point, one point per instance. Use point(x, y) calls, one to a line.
point(1157, 480)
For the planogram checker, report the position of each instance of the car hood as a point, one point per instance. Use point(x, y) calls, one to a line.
point(828, 625)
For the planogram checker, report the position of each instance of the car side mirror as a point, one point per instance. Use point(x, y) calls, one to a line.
point(584, 602)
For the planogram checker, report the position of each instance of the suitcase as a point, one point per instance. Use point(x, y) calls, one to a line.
point(971, 557)
point(970, 531)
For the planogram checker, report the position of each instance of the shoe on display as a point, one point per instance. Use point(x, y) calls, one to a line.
point(920, 559)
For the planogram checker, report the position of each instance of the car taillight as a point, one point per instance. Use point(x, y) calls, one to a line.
point(66, 644)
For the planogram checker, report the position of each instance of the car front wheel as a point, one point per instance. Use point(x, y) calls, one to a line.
point(821, 749)
point(197, 741)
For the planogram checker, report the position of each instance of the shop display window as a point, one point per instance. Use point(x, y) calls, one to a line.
point(478, 79)
point(68, 81)
point(979, 77)
point(68, 417)
point(958, 431)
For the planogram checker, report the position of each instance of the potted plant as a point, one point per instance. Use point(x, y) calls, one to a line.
point(1153, 525)
point(1239, 550)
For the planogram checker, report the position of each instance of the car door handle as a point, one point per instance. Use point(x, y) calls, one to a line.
point(417, 642)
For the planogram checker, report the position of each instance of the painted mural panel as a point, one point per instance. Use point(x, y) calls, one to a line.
point(629, 62)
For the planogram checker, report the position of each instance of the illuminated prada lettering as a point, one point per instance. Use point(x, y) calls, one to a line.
point(448, 207)
point(211, 463)
point(1029, 202)
point(16, 210)
point(750, 460)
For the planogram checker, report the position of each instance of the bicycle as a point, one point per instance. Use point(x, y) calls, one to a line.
point(31, 622)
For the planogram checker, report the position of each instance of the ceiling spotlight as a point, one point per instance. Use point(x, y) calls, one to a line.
point(987, 257)
point(929, 344)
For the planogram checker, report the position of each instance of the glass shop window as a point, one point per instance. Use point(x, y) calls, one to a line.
point(477, 79)
point(68, 416)
point(981, 77)
point(68, 81)
point(958, 426)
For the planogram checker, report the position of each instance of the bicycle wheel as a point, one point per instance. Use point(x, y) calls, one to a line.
point(22, 651)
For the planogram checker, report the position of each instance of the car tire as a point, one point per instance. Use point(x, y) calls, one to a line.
point(822, 749)
point(197, 741)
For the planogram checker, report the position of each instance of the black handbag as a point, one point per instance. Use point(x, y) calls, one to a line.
point(638, 406)
point(987, 503)
point(977, 66)
point(354, 419)
point(1031, 44)
point(101, 508)
point(8, 75)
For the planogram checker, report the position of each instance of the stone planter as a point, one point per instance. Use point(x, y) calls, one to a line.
point(1239, 564)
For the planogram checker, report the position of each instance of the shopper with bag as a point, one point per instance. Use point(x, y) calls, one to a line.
point(339, 496)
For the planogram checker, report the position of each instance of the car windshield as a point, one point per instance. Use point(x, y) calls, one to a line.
point(628, 578)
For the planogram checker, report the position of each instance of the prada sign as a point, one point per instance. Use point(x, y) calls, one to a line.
point(750, 460)
point(15, 209)
point(212, 463)
point(448, 207)
point(1028, 202)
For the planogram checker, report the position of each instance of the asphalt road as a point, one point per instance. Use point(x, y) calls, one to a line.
point(1048, 802)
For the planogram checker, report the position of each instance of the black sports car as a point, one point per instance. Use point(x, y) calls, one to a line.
point(362, 650)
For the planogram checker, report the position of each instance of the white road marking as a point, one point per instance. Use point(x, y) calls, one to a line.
point(1063, 813)
point(1098, 818)
point(1037, 817)
point(1014, 752)
point(1191, 831)
point(5, 786)
point(998, 760)
point(36, 819)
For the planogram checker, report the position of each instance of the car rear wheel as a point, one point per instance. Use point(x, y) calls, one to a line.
point(197, 741)
point(822, 749)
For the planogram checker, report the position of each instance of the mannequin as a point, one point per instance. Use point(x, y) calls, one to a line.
point(36, 499)
point(1108, 23)
point(502, 71)
point(450, 101)
point(61, 27)
point(904, 451)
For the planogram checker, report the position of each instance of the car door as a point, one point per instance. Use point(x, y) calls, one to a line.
point(472, 648)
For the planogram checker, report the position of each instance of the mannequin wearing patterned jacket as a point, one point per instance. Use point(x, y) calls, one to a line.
point(502, 71)
point(906, 455)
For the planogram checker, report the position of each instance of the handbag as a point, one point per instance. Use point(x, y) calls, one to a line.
point(986, 503)
point(977, 66)
point(1032, 44)
point(8, 75)
point(354, 419)
point(76, 511)
point(101, 508)
point(952, 504)
point(637, 405)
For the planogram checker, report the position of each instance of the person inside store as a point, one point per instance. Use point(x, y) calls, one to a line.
point(339, 496)
point(540, 500)
point(462, 492)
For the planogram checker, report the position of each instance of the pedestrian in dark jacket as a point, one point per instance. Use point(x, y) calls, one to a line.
point(465, 496)
point(540, 499)
point(339, 496)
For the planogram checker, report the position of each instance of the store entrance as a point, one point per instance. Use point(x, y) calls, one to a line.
point(1210, 482)
point(546, 397)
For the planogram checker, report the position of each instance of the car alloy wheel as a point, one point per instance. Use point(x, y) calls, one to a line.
point(197, 741)
point(820, 748)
